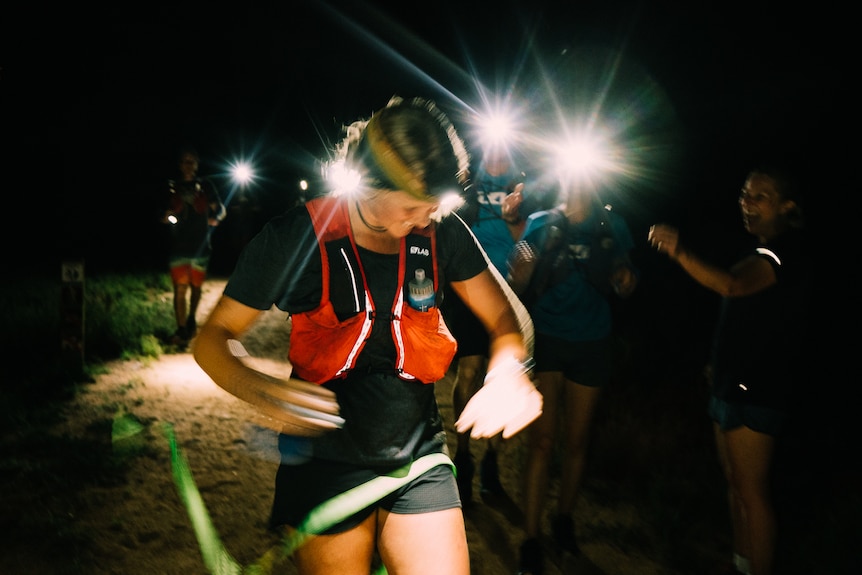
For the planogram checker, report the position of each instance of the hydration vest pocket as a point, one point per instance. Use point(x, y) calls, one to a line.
point(323, 348)
point(428, 345)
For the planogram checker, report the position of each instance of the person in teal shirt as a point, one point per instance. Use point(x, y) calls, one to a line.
point(569, 264)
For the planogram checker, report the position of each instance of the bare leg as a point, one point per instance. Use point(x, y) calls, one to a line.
point(194, 301)
point(740, 541)
point(468, 380)
point(350, 552)
point(540, 445)
point(750, 457)
point(180, 305)
point(423, 543)
point(580, 402)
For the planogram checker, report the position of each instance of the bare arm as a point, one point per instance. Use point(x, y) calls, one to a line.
point(508, 400)
point(750, 275)
point(286, 404)
point(483, 295)
point(218, 212)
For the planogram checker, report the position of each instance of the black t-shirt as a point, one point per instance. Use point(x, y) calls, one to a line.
point(281, 265)
point(190, 200)
point(388, 420)
point(761, 340)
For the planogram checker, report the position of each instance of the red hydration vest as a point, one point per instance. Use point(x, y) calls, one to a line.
point(322, 348)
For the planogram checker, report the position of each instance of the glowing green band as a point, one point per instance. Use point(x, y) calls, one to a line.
point(216, 558)
point(346, 504)
point(220, 562)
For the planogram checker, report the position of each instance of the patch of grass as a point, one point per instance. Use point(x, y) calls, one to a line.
point(124, 316)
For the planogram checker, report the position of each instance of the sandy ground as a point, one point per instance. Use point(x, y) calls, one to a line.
point(143, 526)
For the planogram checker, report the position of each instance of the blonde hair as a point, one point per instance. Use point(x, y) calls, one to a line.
point(409, 145)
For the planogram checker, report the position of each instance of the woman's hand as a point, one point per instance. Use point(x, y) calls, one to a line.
point(286, 404)
point(510, 209)
point(508, 402)
point(298, 407)
point(665, 239)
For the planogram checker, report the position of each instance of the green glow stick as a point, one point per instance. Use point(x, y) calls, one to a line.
point(220, 562)
point(216, 558)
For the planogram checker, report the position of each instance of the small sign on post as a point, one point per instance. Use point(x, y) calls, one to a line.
point(72, 316)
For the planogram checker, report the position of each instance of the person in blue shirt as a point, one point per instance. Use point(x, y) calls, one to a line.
point(570, 262)
point(496, 210)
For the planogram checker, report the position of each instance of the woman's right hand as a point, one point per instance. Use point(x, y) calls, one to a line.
point(297, 407)
point(284, 403)
point(665, 239)
point(510, 209)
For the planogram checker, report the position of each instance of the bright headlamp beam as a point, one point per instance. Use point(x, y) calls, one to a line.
point(497, 128)
point(342, 180)
point(583, 156)
point(242, 173)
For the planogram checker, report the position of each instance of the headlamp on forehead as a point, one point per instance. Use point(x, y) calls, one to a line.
point(391, 164)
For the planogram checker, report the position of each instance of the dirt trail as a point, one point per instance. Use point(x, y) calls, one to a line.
point(144, 527)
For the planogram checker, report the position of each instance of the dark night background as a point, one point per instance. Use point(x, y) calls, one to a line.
point(96, 101)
